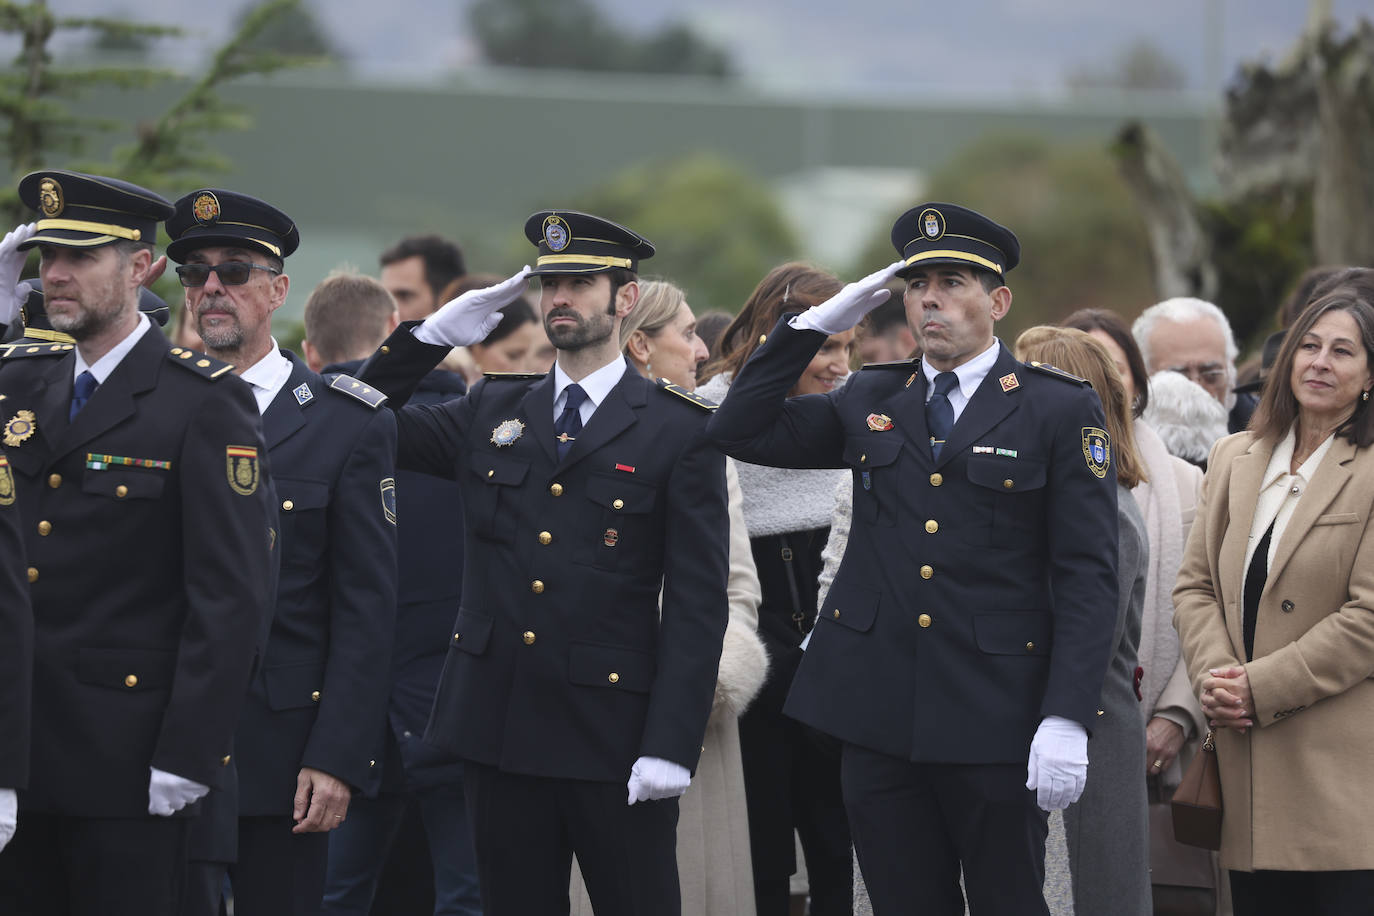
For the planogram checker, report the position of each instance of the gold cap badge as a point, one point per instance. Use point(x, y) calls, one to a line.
point(50, 197)
point(206, 208)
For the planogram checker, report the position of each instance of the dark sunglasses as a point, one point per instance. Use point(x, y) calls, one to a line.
point(230, 273)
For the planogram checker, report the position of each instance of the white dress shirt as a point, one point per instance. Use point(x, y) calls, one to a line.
point(971, 375)
point(268, 376)
point(107, 363)
point(597, 385)
point(1279, 494)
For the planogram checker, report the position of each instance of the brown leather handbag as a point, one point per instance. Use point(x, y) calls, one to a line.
point(1197, 800)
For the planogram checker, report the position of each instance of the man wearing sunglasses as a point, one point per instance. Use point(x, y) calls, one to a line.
point(136, 468)
point(314, 718)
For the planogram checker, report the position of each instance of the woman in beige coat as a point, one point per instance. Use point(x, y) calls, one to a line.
point(713, 863)
point(1275, 614)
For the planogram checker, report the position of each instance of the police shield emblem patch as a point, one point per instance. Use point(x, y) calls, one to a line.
point(50, 197)
point(556, 233)
point(6, 482)
point(241, 467)
point(206, 208)
point(19, 428)
point(1097, 450)
point(932, 224)
point(389, 499)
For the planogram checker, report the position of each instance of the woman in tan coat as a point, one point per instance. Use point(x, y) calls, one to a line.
point(1275, 614)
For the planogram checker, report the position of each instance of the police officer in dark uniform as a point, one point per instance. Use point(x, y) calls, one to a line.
point(16, 656)
point(137, 468)
point(961, 650)
point(310, 729)
point(585, 492)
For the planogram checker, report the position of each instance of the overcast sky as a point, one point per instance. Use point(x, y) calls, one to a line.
point(981, 47)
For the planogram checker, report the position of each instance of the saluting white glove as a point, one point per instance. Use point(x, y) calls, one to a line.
point(169, 793)
point(472, 316)
point(1058, 765)
point(9, 815)
point(652, 778)
point(12, 292)
point(848, 307)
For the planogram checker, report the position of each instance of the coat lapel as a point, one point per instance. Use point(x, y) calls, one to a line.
point(1247, 471)
point(1327, 482)
point(612, 417)
point(989, 406)
point(537, 408)
point(285, 416)
point(114, 401)
point(907, 407)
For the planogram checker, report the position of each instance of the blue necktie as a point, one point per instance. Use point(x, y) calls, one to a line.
point(570, 422)
point(940, 412)
point(81, 393)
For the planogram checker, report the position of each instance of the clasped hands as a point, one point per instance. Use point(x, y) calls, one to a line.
point(1226, 698)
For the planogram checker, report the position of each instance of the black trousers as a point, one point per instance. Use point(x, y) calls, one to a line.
point(915, 824)
point(526, 830)
point(278, 873)
point(74, 866)
point(1311, 893)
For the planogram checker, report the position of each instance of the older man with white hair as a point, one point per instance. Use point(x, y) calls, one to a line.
point(1193, 338)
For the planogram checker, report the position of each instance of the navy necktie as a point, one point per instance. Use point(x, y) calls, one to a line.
point(570, 422)
point(940, 412)
point(81, 393)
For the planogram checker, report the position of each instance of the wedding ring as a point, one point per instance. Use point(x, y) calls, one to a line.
point(1158, 764)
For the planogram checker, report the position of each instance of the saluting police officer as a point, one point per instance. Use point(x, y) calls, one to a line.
point(961, 650)
point(316, 707)
point(137, 469)
point(586, 491)
point(16, 657)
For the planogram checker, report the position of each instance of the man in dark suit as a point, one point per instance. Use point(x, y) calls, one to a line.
point(346, 318)
point(310, 729)
point(148, 538)
point(16, 657)
point(961, 649)
point(586, 492)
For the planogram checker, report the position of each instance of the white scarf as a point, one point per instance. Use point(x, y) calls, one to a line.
point(1159, 502)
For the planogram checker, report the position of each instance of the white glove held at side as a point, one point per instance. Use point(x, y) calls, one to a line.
point(1058, 765)
point(169, 793)
point(652, 778)
point(9, 815)
point(12, 292)
point(473, 315)
point(848, 307)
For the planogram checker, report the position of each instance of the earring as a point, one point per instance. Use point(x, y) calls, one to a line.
point(1364, 396)
point(649, 371)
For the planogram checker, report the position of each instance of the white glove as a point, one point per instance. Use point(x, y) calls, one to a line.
point(9, 815)
point(652, 778)
point(12, 292)
point(848, 307)
point(1058, 765)
point(169, 793)
point(472, 316)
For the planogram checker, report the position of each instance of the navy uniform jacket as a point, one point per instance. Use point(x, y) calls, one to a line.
point(16, 639)
point(147, 530)
point(430, 551)
point(978, 592)
point(319, 696)
point(558, 664)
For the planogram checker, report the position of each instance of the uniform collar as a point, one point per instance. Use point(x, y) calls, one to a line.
point(597, 385)
point(107, 363)
point(970, 374)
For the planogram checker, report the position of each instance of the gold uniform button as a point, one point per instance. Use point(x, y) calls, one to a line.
point(1030, 647)
point(131, 680)
point(927, 572)
point(33, 574)
point(371, 763)
point(1008, 483)
point(537, 586)
point(618, 504)
point(203, 363)
point(924, 620)
point(287, 505)
point(862, 459)
point(1102, 712)
point(936, 479)
point(763, 338)
point(45, 528)
point(556, 489)
point(528, 637)
point(545, 538)
point(835, 613)
point(457, 636)
point(932, 526)
point(613, 678)
point(224, 761)
point(315, 695)
point(385, 348)
point(121, 491)
point(54, 480)
point(491, 472)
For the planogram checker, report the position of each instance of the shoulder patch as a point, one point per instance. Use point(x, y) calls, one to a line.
point(20, 350)
point(896, 364)
point(1056, 372)
point(690, 396)
point(347, 384)
point(199, 363)
point(513, 376)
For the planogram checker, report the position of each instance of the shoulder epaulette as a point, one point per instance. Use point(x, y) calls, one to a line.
point(895, 364)
point(17, 350)
point(1056, 372)
point(513, 376)
point(689, 396)
point(347, 384)
point(199, 363)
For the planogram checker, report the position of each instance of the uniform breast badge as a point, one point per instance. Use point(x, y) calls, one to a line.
point(1097, 450)
point(611, 537)
point(20, 427)
point(506, 432)
point(303, 393)
point(6, 482)
point(1009, 382)
point(879, 422)
point(241, 467)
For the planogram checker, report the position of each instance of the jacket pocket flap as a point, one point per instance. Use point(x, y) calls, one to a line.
point(471, 632)
point(499, 469)
point(302, 494)
point(852, 606)
point(875, 451)
point(621, 494)
point(123, 483)
point(126, 669)
point(293, 686)
point(608, 666)
point(1337, 518)
point(1009, 475)
point(1013, 632)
